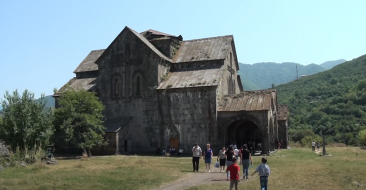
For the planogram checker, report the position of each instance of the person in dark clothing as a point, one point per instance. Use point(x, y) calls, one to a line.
point(246, 159)
point(229, 158)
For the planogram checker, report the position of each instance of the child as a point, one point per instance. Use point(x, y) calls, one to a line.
point(264, 172)
point(234, 174)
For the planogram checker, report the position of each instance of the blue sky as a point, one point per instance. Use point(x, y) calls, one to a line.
point(42, 42)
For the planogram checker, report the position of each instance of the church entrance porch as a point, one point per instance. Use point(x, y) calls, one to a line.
point(242, 132)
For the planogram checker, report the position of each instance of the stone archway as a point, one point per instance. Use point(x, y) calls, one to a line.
point(242, 130)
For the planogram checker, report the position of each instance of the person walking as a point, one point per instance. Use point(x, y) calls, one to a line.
point(318, 145)
point(313, 146)
point(222, 158)
point(229, 158)
point(264, 171)
point(197, 154)
point(246, 159)
point(234, 170)
point(208, 153)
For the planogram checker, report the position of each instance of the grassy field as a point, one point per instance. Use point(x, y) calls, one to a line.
point(290, 169)
point(299, 168)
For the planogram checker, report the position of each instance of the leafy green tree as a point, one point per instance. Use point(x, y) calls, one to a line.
point(26, 123)
point(79, 119)
point(362, 137)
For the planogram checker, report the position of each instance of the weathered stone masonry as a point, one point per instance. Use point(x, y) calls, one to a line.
point(161, 91)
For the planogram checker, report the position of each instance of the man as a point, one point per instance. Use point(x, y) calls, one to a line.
point(197, 153)
point(313, 146)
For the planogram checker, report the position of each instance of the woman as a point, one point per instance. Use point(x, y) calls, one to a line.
point(222, 157)
point(229, 158)
point(246, 158)
point(208, 157)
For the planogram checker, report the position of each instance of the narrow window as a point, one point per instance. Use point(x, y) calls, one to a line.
point(116, 87)
point(138, 86)
point(231, 60)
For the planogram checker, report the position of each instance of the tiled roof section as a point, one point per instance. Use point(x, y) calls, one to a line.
point(152, 47)
point(115, 124)
point(89, 84)
point(215, 48)
point(282, 112)
point(196, 78)
point(88, 64)
point(247, 101)
point(154, 32)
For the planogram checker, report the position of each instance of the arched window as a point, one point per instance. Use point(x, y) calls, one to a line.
point(138, 84)
point(116, 86)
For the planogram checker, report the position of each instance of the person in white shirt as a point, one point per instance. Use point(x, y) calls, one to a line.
point(197, 154)
point(313, 146)
point(236, 152)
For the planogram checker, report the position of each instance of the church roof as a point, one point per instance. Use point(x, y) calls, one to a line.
point(154, 32)
point(88, 64)
point(282, 112)
point(152, 47)
point(115, 124)
point(247, 101)
point(204, 49)
point(195, 78)
point(88, 84)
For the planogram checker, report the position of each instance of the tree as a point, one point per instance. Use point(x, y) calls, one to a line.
point(362, 137)
point(79, 119)
point(26, 123)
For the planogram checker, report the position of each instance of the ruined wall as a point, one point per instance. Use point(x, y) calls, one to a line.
point(283, 132)
point(126, 60)
point(189, 114)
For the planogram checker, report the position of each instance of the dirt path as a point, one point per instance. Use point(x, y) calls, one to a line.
point(196, 179)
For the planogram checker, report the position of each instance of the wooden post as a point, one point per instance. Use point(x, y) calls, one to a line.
point(324, 146)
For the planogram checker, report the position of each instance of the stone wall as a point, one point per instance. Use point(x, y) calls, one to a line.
point(189, 114)
point(283, 132)
point(127, 58)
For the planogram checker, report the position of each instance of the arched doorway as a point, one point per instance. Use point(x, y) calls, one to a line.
point(241, 132)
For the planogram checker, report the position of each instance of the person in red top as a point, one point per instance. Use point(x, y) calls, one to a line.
point(234, 174)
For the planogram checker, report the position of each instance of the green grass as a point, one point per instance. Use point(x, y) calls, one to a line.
point(298, 168)
point(302, 169)
point(116, 172)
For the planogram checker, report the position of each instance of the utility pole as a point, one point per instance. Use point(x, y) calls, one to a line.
point(297, 73)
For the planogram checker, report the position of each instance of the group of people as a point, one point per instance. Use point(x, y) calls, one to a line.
point(313, 144)
point(170, 151)
point(229, 158)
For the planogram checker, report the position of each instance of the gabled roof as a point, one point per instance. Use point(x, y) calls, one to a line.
point(88, 64)
point(88, 84)
point(143, 39)
point(115, 124)
point(204, 49)
point(195, 78)
point(247, 101)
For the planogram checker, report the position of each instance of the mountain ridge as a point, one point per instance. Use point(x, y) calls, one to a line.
point(262, 75)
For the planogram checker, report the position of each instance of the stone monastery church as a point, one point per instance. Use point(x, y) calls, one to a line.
point(161, 91)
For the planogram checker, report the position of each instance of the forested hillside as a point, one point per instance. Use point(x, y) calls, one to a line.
point(331, 102)
point(262, 75)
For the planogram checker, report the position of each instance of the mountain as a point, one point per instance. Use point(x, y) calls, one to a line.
point(262, 75)
point(330, 64)
point(332, 102)
point(49, 104)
